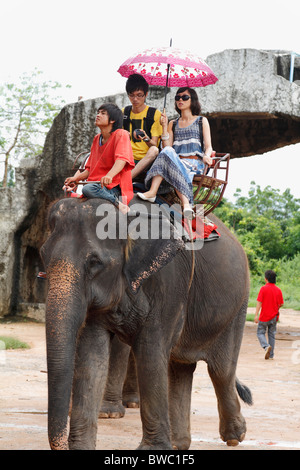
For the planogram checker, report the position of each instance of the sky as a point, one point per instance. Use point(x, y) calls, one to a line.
point(82, 44)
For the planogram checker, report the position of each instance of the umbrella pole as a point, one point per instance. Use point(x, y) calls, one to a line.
point(166, 87)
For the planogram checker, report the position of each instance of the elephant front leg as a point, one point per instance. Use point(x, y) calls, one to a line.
point(88, 386)
point(152, 371)
point(131, 398)
point(112, 406)
point(180, 390)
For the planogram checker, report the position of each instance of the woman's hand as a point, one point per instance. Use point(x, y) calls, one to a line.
point(207, 160)
point(164, 120)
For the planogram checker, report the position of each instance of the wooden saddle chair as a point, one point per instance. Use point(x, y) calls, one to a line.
point(210, 186)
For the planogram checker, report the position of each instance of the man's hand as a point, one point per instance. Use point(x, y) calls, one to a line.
point(106, 180)
point(69, 184)
point(143, 137)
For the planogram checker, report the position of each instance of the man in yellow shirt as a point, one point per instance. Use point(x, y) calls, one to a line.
point(144, 119)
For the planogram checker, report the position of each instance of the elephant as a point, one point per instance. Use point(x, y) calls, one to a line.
point(171, 306)
point(122, 390)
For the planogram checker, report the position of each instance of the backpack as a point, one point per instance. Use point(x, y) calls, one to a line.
point(136, 123)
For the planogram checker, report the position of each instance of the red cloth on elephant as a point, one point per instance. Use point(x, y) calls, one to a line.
point(201, 228)
point(102, 159)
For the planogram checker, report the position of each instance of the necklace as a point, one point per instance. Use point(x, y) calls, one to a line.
point(102, 141)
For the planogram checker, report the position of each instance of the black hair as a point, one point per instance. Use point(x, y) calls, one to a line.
point(195, 103)
point(136, 82)
point(114, 114)
point(270, 276)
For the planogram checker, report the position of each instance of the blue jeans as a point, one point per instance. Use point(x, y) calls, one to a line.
point(93, 190)
point(262, 328)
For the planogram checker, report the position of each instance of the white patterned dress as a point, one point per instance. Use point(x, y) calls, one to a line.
point(179, 172)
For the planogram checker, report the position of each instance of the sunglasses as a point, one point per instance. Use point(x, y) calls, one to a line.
point(182, 97)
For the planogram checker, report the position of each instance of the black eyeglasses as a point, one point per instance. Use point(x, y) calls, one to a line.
point(182, 97)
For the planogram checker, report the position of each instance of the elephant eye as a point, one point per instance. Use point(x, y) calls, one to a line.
point(94, 265)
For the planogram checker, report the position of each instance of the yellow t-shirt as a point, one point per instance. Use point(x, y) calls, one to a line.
point(140, 148)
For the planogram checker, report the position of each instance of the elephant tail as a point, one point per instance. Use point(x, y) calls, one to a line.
point(244, 392)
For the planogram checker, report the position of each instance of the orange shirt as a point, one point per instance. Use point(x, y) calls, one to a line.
point(103, 157)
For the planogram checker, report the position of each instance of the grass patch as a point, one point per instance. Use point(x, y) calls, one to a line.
point(250, 317)
point(13, 343)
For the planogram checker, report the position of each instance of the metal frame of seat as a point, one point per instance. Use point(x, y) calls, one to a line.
point(209, 189)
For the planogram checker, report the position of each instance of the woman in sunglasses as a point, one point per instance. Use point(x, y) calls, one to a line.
point(186, 150)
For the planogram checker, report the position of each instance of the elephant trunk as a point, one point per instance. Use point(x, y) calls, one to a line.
point(65, 313)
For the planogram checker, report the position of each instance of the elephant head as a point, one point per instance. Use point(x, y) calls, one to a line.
point(88, 273)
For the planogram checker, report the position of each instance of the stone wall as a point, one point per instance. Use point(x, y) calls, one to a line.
point(23, 210)
point(252, 108)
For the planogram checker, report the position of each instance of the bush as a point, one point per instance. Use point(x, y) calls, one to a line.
point(267, 225)
point(13, 343)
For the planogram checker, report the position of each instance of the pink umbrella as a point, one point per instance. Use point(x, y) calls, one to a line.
point(169, 67)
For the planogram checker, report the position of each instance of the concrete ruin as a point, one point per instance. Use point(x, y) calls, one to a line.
point(252, 109)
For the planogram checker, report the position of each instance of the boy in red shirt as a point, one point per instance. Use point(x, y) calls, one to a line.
point(269, 301)
point(110, 162)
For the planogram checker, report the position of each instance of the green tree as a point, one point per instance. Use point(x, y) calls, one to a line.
point(268, 202)
point(266, 222)
point(26, 113)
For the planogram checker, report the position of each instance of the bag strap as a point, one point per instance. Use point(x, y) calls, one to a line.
point(149, 120)
point(201, 133)
point(126, 117)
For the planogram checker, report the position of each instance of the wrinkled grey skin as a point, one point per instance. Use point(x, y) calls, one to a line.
point(122, 390)
point(141, 293)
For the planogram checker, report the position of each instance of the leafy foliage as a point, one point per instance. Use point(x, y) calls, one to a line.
point(27, 110)
point(267, 224)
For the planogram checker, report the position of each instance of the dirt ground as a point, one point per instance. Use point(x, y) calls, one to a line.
point(273, 421)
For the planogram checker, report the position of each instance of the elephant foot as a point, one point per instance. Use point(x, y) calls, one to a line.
point(111, 410)
point(235, 442)
point(161, 446)
point(235, 432)
point(182, 443)
point(131, 401)
point(131, 404)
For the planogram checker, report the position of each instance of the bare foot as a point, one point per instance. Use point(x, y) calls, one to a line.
point(123, 208)
point(188, 212)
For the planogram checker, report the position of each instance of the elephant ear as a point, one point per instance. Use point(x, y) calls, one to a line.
point(146, 257)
